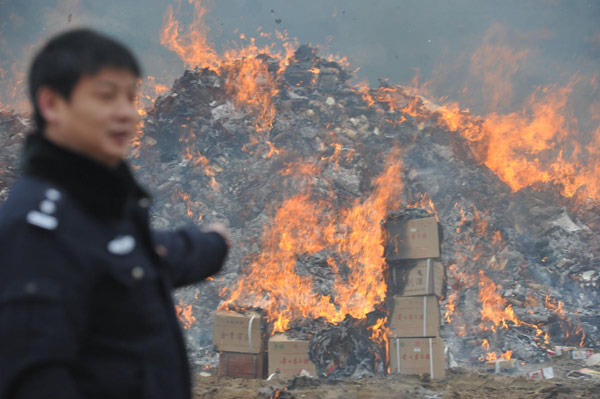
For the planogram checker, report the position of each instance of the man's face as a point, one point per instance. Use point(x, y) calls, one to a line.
point(100, 118)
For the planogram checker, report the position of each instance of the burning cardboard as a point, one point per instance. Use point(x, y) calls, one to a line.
point(421, 277)
point(237, 332)
point(288, 357)
point(418, 356)
point(415, 316)
point(412, 239)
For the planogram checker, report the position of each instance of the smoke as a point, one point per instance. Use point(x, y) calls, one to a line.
point(385, 39)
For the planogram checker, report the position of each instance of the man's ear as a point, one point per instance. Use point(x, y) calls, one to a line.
point(49, 103)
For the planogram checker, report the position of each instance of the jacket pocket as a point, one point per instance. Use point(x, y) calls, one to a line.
point(33, 315)
point(30, 291)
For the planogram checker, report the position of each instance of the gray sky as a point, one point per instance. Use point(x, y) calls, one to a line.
point(394, 39)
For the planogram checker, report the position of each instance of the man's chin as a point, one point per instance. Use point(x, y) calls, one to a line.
point(115, 156)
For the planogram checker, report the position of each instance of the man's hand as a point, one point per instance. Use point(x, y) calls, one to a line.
point(220, 229)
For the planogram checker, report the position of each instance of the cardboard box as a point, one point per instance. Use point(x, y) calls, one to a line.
point(412, 239)
point(560, 350)
point(545, 373)
point(236, 332)
point(242, 365)
point(418, 356)
point(577, 374)
point(289, 356)
point(593, 360)
point(420, 277)
point(415, 316)
point(580, 354)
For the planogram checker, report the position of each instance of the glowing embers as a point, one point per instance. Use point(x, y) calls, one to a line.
point(570, 325)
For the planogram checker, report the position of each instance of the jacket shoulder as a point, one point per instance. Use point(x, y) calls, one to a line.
point(35, 202)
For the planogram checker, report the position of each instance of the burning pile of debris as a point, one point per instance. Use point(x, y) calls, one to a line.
point(305, 167)
point(305, 179)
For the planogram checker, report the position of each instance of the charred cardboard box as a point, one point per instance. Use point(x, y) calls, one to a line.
point(238, 332)
point(417, 277)
point(412, 238)
point(243, 365)
point(289, 356)
point(415, 316)
point(418, 356)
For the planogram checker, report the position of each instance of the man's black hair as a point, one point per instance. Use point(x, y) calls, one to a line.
point(68, 57)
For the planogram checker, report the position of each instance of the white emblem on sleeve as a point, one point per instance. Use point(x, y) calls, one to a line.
point(48, 206)
point(53, 194)
point(121, 245)
point(42, 220)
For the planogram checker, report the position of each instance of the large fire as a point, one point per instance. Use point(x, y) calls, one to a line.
point(303, 224)
point(542, 143)
point(523, 148)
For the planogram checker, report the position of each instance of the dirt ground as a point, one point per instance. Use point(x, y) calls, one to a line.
point(458, 384)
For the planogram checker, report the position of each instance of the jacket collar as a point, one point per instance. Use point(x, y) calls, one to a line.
point(103, 192)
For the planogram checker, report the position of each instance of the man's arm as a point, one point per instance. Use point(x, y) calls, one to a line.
point(191, 254)
point(41, 315)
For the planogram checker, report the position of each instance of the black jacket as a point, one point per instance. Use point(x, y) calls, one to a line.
point(85, 285)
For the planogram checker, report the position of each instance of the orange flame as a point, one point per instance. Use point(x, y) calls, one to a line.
point(192, 46)
point(184, 314)
point(492, 356)
point(426, 202)
point(573, 332)
point(380, 333)
point(247, 77)
point(493, 306)
point(450, 306)
point(542, 142)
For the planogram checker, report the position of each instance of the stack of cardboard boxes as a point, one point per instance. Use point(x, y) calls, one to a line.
point(240, 341)
point(415, 285)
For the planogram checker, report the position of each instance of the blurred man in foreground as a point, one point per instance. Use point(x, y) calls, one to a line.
point(85, 284)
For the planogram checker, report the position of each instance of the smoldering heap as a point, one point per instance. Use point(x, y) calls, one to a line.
point(522, 267)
